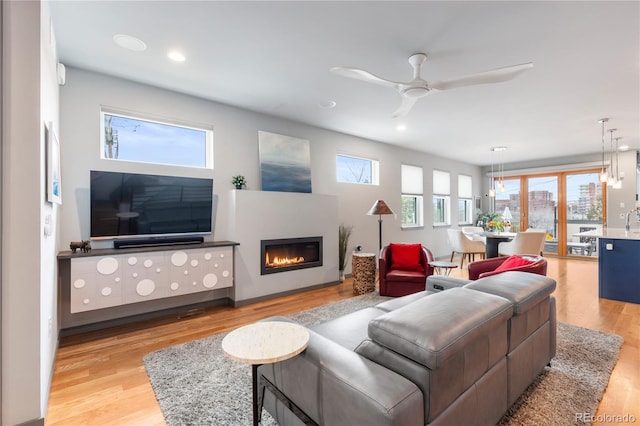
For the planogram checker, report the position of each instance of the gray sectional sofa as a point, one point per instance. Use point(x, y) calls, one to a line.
point(459, 356)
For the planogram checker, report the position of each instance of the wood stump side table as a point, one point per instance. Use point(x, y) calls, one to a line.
point(363, 267)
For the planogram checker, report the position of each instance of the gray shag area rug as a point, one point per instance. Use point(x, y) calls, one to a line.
point(196, 384)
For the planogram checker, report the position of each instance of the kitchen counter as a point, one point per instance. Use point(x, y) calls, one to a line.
point(614, 233)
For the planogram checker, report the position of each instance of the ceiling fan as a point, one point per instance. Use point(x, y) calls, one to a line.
point(417, 88)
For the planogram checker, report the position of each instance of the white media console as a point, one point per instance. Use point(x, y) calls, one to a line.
point(110, 284)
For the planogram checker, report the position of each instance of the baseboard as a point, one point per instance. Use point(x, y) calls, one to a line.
point(239, 303)
point(179, 312)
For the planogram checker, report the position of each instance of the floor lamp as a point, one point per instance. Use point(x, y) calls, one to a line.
point(379, 208)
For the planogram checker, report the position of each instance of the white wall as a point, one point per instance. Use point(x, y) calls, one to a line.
point(28, 274)
point(49, 111)
point(236, 152)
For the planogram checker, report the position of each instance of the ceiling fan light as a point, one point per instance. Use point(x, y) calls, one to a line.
point(415, 92)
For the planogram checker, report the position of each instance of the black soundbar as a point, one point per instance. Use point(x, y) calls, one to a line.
point(155, 242)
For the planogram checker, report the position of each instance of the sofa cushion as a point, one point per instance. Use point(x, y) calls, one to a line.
point(349, 330)
point(523, 289)
point(513, 261)
point(399, 302)
point(433, 328)
point(406, 257)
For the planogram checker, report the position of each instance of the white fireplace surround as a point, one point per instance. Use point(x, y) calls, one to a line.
point(265, 215)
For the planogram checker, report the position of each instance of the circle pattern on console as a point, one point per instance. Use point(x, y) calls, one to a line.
point(132, 260)
point(207, 256)
point(106, 291)
point(174, 286)
point(148, 263)
point(194, 262)
point(179, 258)
point(210, 280)
point(107, 266)
point(225, 274)
point(145, 287)
point(79, 283)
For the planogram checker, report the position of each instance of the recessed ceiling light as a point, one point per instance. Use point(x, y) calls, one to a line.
point(401, 127)
point(174, 55)
point(327, 104)
point(623, 148)
point(498, 148)
point(129, 42)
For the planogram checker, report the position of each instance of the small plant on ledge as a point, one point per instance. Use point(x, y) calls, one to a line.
point(344, 232)
point(239, 181)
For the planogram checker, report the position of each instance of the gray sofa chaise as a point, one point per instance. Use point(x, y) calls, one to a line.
point(458, 356)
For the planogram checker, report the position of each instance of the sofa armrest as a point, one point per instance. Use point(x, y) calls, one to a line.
point(443, 282)
point(334, 385)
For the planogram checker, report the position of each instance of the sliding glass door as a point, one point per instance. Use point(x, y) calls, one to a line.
point(584, 213)
point(542, 208)
point(563, 204)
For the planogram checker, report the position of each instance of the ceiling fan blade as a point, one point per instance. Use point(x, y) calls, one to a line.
point(405, 107)
point(494, 76)
point(363, 75)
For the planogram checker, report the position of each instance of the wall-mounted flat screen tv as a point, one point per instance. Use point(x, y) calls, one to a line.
point(142, 205)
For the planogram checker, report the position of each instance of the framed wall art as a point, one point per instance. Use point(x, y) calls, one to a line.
point(54, 187)
point(285, 163)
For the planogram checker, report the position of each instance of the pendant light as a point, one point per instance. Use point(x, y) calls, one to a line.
point(492, 190)
point(603, 171)
point(618, 182)
point(611, 177)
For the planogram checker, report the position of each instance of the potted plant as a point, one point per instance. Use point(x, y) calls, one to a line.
point(344, 232)
point(239, 181)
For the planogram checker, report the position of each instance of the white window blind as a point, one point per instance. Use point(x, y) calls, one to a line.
point(441, 184)
point(465, 189)
point(411, 179)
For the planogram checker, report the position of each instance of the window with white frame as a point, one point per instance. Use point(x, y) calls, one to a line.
point(357, 170)
point(441, 198)
point(465, 200)
point(127, 137)
point(412, 201)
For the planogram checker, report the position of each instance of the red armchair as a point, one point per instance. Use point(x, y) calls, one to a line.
point(404, 268)
point(495, 265)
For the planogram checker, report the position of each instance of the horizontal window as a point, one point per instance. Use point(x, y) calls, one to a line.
point(357, 170)
point(129, 138)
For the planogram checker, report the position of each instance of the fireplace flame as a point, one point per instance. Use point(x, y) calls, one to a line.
point(282, 261)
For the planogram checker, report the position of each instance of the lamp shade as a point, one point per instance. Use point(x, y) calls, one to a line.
point(507, 214)
point(380, 207)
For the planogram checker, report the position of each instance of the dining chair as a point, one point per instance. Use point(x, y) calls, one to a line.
point(465, 246)
point(528, 242)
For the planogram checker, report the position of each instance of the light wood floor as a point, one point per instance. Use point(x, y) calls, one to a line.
point(99, 378)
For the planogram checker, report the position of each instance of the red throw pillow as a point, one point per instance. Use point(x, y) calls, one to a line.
point(406, 257)
point(513, 262)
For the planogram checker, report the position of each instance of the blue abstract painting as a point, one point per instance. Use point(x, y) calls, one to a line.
point(285, 163)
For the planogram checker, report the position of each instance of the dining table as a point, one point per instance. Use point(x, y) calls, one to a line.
point(495, 238)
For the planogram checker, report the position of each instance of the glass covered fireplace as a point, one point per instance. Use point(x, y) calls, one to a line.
point(288, 254)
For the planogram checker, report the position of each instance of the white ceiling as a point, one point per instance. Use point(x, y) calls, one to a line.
point(274, 57)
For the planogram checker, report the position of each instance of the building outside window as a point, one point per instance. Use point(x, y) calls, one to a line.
point(146, 140)
point(441, 198)
point(357, 170)
point(412, 196)
point(465, 200)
